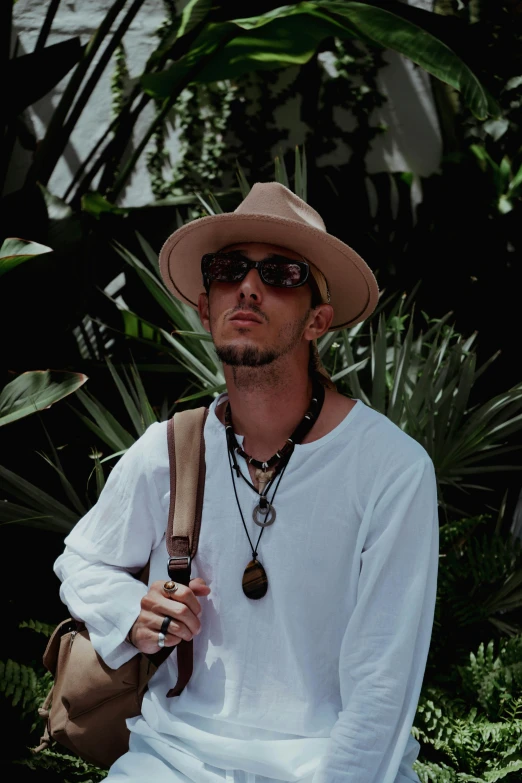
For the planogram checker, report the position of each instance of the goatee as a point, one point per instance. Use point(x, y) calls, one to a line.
point(247, 356)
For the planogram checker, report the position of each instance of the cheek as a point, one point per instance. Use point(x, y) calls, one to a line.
point(221, 301)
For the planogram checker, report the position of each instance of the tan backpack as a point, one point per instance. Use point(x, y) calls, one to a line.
point(87, 706)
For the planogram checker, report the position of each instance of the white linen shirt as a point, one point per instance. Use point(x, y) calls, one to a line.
point(317, 681)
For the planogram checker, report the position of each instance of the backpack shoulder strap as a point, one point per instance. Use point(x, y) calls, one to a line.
point(186, 446)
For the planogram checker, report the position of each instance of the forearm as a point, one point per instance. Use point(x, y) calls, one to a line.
point(106, 598)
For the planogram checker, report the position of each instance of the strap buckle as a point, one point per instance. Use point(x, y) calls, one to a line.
point(183, 557)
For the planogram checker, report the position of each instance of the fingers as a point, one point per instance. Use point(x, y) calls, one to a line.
point(148, 626)
point(184, 595)
point(177, 630)
point(182, 606)
point(184, 610)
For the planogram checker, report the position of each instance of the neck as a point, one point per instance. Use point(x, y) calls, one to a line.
point(267, 404)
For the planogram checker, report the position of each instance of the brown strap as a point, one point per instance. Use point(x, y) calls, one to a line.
point(187, 465)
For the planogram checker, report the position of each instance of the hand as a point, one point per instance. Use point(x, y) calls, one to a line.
point(183, 607)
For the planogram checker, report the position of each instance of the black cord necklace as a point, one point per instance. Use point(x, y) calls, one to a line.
point(255, 580)
point(264, 513)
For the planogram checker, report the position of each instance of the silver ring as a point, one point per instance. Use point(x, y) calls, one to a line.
point(161, 639)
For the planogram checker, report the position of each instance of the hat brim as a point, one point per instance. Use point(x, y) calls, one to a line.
point(353, 288)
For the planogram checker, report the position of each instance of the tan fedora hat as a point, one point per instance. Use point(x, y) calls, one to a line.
point(271, 213)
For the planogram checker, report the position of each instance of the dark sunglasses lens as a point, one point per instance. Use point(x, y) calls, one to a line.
point(226, 269)
point(283, 274)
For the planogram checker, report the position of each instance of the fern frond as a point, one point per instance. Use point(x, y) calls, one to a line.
point(70, 769)
point(22, 686)
point(35, 625)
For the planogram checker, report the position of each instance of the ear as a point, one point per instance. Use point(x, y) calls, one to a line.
point(321, 318)
point(203, 310)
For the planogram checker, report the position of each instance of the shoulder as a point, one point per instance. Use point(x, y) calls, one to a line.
point(149, 451)
point(384, 449)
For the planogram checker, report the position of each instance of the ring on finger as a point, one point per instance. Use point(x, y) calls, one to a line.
point(165, 625)
point(170, 587)
point(162, 635)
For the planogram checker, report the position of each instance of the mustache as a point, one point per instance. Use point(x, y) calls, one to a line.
point(250, 309)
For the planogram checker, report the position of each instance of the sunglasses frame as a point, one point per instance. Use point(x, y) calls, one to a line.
point(254, 265)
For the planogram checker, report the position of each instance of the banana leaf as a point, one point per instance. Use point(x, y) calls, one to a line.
point(290, 35)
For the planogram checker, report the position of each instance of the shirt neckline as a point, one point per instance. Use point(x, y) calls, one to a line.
point(299, 447)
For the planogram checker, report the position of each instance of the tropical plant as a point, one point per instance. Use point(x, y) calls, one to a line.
point(471, 730)
point(478, 591)
point(36, 507)
point(205, 44)
point(36, 390)
point(15, 251)
point(507, 184)
point(423, 381)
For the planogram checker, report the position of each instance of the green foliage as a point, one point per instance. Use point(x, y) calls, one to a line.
point(69, 769)
point(201, 117)
point(36, 625)
point(202, 48)
point(290, 35)
point(496, 680)
point(15, 251)
point(38, 508)
point(507, 184)
point(480, 573)
point(120, 80)
point(23, 687)
point(423, 381)
point(474, 731)
point(36, 390)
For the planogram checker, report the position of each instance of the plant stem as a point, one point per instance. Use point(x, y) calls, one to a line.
point(100, 67)
point(54, 142)
point(116, 146)
point(49, 18)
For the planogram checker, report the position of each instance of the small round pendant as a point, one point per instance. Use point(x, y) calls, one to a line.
point(264, 516)
point(255, 580)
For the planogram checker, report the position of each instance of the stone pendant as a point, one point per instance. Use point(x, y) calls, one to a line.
point(255, 581)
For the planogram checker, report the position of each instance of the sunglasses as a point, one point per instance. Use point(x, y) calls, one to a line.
point(233, 266)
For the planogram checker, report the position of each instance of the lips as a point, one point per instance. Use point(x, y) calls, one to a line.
point(245, 317)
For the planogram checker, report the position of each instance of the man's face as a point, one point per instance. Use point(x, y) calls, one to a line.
point(282, 315)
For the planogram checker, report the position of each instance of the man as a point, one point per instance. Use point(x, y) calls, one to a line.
point(310, 642)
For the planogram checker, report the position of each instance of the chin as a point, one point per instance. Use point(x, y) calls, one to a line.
point(244, 354)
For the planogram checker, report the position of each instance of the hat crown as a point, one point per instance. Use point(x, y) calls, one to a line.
point(274, 199)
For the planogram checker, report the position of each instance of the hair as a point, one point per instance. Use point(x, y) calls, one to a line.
point(320, 295)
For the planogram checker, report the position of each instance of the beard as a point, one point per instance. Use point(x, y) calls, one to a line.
point(289, 337)
point(246, 356)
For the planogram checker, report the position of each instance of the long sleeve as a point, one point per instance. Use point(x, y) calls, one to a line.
point(387, 638)
point(110, 543)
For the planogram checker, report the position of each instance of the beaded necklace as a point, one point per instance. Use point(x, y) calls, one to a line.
point(255, 580)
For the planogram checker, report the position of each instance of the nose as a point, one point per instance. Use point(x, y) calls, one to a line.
point(250, 288)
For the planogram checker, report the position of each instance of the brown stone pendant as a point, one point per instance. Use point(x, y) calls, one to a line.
point(255, 581)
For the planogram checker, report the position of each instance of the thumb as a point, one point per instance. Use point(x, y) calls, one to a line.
point(199, 586)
